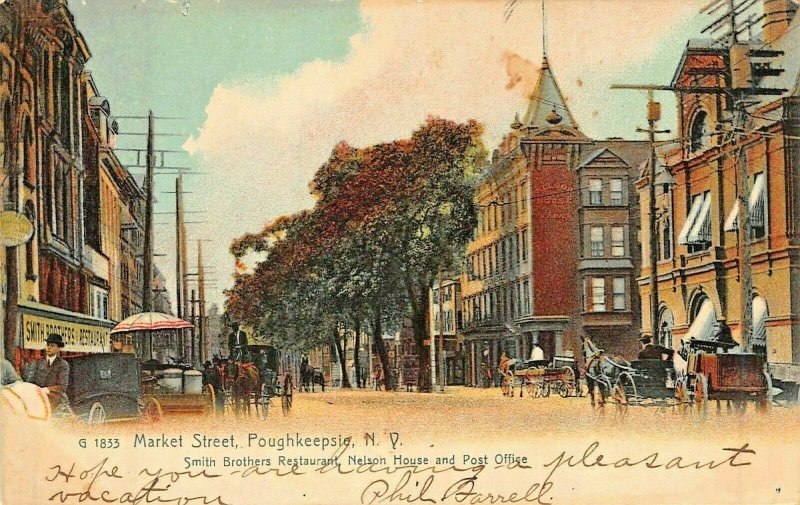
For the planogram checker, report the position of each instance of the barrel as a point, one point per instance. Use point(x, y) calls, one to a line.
point(172, 381)
point(192, 382)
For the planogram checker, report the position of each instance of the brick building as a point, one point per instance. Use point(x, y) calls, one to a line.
point(556, 250)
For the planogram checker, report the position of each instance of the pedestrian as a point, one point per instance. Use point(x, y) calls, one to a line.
point(378, 378)
point(51, 373)
point(537, 353)
point(8, 373)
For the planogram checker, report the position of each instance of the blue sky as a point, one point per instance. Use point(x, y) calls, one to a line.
point(267, 87)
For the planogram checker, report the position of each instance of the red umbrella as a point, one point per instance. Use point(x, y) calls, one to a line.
point(150, 321)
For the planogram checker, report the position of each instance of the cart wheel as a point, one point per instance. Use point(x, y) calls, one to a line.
point(701, 392)
point(97, 414)
point(152, 412)
point(212, 398)
point(568, 382)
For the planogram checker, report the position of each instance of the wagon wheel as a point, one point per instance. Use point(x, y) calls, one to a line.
point(681, 394)
point(152, 411)
point(567, 387)
point(212, 398)
point(545, 389)
point(97, 414)
point(701, 392)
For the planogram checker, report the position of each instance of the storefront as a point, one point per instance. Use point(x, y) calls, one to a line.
point(83, 334)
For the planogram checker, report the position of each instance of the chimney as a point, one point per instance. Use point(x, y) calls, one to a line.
point(777, 16)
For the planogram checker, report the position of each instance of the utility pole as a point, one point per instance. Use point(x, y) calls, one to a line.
point(201, 288)
point(653, 115)
point(193, 331)
point(147, 289)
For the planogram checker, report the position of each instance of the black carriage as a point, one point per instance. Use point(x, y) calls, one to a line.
point(108, 387)
point(649, 381)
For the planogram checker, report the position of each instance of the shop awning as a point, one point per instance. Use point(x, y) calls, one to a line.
point(690, 219)
point(703, 326)
point(755, 206)
point(701, 229)
point(759, 321)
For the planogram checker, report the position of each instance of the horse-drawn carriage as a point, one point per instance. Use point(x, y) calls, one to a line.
point(540, 378)
point(109, 387)
point(707, 371)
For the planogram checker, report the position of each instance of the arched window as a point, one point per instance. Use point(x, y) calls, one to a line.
point(665, 324)
point(703, 318)
point(30, 268)
point(28, 153)
point(698, 134)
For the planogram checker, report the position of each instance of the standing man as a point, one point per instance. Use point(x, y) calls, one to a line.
point(52, 373)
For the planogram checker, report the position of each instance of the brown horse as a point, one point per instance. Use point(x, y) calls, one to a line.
point(244, 382)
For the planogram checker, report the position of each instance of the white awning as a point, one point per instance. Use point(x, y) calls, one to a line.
point(701, 229)
point(690, 219)
point(755, 206)
point(704, 323)
point(759, 321)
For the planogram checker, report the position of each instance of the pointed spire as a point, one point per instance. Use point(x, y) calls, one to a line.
point(547, 107)
point(517, 124)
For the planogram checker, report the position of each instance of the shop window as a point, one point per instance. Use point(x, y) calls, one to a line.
point(595, 192)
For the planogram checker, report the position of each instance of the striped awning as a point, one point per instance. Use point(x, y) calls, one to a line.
point(704, 324)
point(701, 229)
point(150, 321)
point(756, 204)
point(697, 203)
point(759, 321)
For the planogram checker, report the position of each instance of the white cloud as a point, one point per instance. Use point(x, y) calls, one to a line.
point(263, 140)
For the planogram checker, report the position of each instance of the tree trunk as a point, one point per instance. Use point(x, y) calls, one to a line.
point(419, 319)
point(342, 361)
point(357, 352)
point(380, 346)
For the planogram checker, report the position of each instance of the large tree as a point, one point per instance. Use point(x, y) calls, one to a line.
point(388, 218)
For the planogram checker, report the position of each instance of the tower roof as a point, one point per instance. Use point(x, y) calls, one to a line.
point(547, 107)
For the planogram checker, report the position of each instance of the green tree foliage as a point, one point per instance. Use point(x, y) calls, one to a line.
point(387, 219)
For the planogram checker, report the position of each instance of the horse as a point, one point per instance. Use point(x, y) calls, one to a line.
point(242, 380)
point(309, 376)
point(602, 370)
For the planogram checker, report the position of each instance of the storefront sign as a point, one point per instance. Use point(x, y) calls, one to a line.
point(15, 229)
point(78, 337)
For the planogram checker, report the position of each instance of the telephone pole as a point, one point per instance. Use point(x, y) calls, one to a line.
point(201, 288)
point(147, 289)
point(653, 115)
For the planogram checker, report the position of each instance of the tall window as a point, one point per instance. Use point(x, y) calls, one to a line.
point(30, 268)
point(617, 241)
point(526, 296)
point(616, 191)
point(666, 241)
point(595, 192)
point(757, 204)
point(523, 197)
point(620, 299)
point(698, 137)
point(596, 237)
point(524, 245)
point(598, 294)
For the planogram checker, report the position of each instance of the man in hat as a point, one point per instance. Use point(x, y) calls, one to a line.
point(652, 351)
point(51, 373)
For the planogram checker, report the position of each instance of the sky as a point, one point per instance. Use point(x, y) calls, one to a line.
point(266, 88)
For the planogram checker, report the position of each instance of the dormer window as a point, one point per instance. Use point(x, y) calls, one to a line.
point(698, 133)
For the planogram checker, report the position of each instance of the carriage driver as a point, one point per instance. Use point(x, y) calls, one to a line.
point(652, 351)
point(51, 373)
